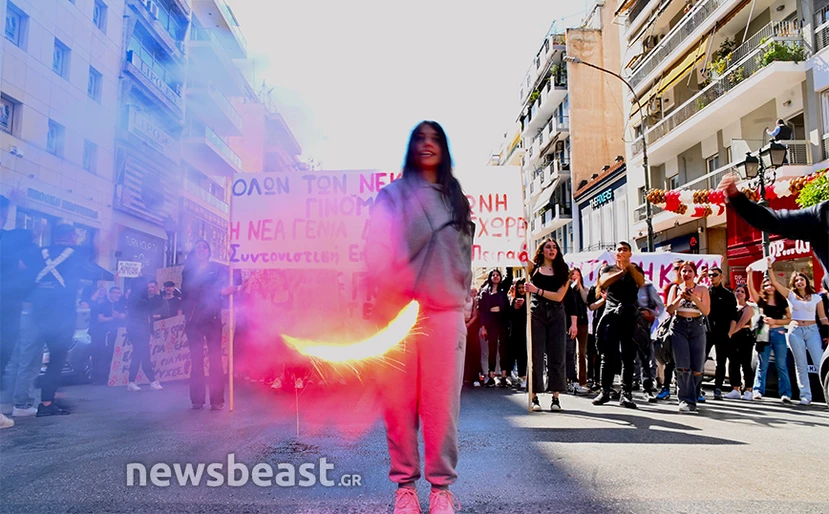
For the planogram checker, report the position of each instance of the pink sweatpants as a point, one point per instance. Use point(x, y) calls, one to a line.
point(424, 385)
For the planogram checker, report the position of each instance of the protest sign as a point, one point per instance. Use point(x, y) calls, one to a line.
point(169, 352)
point(129, 269)
point(658, 266)
point(498, 213)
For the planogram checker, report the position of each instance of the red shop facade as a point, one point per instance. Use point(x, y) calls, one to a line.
point(745, 245)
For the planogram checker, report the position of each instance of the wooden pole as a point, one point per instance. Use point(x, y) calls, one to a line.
point(528, 235)
point(231, 322)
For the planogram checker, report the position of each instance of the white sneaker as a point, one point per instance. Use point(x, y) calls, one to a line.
point(580, 389)
point(476, 384)
point(156, 386)
point(748, 395)
point(523, 383)
point(277, 384)
point(785, 399)
point(805, 401)
point(735, 394)
point(406, 501)
point(684, 407)
point(6, 422)
point(132, 387)
point(22, 413)
point(757, 395)
point(441, 501)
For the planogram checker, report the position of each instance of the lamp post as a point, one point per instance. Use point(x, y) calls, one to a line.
point(754, 166)
point(648, 210)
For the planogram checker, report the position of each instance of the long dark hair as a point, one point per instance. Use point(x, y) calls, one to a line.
point(487, 288)
point(190, 263)
point(559, 266)
point(450, 187)
point(779, 299)
point(809, 289)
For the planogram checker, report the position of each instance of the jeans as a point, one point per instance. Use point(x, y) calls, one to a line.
point(140, 340)
point(593, 361)
point(24, 366)
point(549, 337)
point(618, 347)
point(199, 333)
point(10, 310)
point(800, 340)
point(741, 350)
point(496, 335)
point(777, 342)
point(688, 341)
point(57, 334)
point(725, 353)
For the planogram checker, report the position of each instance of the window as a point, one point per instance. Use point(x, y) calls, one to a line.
point(672, 182)
point(99, 16)
point(712, 163)
point(93, 88)
point(728, 156)
point(90, 156)
point(54, 138)
point(8, 110)
point(39, 223)
point(14, 25)
point(60, 59)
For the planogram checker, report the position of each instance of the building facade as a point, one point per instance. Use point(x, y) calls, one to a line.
point(59, 96)
point(713, 76)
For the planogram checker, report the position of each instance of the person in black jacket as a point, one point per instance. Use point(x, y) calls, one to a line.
point(141, 309)
point(493, 305)
point(518, 331)
point(810, 224)
point(204, 284)
point(723, 309)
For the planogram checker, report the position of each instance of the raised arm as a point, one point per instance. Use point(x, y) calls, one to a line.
point(753, 294)
point(785, 291)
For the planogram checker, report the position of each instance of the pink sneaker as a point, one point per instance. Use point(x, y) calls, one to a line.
point(441, 501)
point(406, 501)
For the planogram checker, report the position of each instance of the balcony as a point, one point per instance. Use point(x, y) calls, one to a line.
point(205, 150)
point(205, 198)
point(214, 109)
point(692, 26)
point(750, 83)
point(230, 34)
point(144, 75)
point(553, 44)
point(550, 96)
point(166, 27)
point(821, 28)
point(214, 62)
point(551, 220)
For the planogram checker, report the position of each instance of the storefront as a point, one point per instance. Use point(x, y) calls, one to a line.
point(198, 222)
point(136, 246)
point(745, 247)
point(688, 243)
point(602, 211)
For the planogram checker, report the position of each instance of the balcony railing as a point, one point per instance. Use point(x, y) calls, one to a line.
point(825, 147)
point(145, 69)
point(205, 196)
point(674, 39)
point(720, 87)
point(640, 213)
point(231, 21)
point(225, 105)
point(222, 147)
point(821, 28)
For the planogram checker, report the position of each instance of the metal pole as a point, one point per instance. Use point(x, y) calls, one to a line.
point(648, 210)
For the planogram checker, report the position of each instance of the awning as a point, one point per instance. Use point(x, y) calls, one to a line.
point(544, 198)
point(626, 4)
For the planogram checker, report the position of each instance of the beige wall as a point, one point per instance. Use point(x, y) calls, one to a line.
point(596, 103)
point(691, 164)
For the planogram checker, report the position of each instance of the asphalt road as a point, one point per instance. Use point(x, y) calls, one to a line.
point(734, 456)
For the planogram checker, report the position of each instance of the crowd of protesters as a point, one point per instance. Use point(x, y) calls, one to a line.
point(621, 335)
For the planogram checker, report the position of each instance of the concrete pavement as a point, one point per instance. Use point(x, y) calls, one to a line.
point(735, 456)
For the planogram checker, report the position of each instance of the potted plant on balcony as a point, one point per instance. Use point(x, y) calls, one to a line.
point(780, 51)
point(814, 192)
point(534, 96)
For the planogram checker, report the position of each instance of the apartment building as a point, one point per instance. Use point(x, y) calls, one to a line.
point(59, 94)
point(713, 76)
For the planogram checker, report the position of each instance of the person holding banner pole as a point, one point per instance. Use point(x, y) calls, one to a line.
point(421, 225)
point(204, 284)
point(549, 283)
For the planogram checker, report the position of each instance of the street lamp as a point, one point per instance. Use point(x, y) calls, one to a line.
point(648, 209)
point(771, 156)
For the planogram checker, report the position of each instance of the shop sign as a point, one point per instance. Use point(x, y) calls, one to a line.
point(61, 203)
point(143, 248)
point(143, 127)
point(602, 198)
point(786, 248)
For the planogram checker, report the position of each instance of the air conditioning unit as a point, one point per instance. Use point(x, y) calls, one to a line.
point(668, 100)
point(153, 8)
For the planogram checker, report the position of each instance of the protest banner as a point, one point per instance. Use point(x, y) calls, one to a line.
point(498, 213)
point(129, 269)
point(658, 266)
point(169, 352)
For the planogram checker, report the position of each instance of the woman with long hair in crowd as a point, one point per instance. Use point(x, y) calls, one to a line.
point(803, 335)
point(493, 305)
point(688, 303)
point(140, 330)
point(742, 344)
point(549, 281)
point(204, 285)
point(775, 316)
point(421, 224)
point(579, 294)
point(517, 352)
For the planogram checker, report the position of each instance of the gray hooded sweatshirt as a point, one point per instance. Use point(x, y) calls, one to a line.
point(413, 248)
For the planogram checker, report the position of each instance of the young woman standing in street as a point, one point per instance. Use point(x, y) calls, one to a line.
point(688, 303)
point(493, 309)
point(742, 344)
point(549, 282)
point(582, 328)
point(776, 316)
point(803, 334)
point(420, 225)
